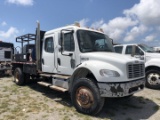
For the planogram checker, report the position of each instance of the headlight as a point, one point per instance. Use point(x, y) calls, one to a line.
point(109, 73)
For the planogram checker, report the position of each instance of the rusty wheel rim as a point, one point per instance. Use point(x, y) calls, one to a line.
point(84, 97)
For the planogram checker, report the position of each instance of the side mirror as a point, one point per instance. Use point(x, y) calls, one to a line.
point(141, 53)
point(59, 48)
point(133, 50)
point(112, 41)
point(142, 58)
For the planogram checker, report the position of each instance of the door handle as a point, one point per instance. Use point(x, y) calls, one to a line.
point(59, 61)
point(42, 61)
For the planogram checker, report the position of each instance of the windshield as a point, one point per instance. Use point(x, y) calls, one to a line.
point(146, 48)
point(90, 41)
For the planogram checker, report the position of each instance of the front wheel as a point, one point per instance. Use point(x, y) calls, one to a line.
point(19, 77)
point(153, 79)
point(86, 97)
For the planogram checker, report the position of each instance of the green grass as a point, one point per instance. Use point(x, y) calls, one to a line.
point(158, 99)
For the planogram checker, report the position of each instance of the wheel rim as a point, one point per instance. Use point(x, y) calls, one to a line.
point(153, 78)
point(16, 77)
point(84, 97)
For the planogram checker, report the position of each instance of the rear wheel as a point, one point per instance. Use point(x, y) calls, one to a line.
point(19, 77)
point(153, 79)
point(86, 97)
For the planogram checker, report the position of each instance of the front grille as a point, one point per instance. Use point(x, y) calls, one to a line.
point(135, 70)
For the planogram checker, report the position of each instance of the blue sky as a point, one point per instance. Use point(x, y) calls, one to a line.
point(126, 21)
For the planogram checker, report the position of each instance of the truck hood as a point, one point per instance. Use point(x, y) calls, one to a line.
point(153, 55)
point(108, 57)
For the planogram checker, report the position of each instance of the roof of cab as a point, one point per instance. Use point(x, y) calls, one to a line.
point(71, 27)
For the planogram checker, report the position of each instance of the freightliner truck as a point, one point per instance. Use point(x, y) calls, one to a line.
point(6, 51)
point(80, 61)
point(150, 57)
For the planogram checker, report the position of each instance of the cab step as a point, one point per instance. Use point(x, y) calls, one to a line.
point(61, 76)
point(55, 76)
point(46, 75)
point(52, 86)
point(58, 88)
point(44, 84)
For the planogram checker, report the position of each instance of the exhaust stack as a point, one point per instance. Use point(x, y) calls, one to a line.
point(38, 42)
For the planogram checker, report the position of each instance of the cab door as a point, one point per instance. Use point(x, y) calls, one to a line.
point(66, 56)
point(139, 54)
point(48, 55)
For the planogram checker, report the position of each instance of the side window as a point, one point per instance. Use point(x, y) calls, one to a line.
point(49, 46)
point(68, 42)
point(137, 50)
point(7, 54)
point(118, 49)
point(128, 50)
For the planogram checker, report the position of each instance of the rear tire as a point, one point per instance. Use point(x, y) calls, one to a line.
point(153, 79)
point(86, 97)
point(19, 77)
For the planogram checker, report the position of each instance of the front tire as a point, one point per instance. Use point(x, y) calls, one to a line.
point(86, 97)
point(153, 79)
point(19, 77)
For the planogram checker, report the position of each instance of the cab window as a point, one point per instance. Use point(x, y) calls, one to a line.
point(49, 45)
point(68, 42)
point(137, 50)
point(118, 49)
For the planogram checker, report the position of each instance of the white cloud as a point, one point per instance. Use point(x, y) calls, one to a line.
point(121, 23)
point(84, 22)
point(97, 24)
point(147, 11)
point(21, 2)
point(135, 32)
point(143, 19)
point(3, 23)
point(116, 27)
point(10, 33)
point(150, 38)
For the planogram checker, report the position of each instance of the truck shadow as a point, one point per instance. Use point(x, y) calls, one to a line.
point(133, 108)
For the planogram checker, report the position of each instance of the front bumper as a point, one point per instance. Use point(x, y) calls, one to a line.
point(121, 89)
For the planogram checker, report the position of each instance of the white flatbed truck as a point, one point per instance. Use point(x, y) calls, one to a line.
point(151, 59)
point(80, 61)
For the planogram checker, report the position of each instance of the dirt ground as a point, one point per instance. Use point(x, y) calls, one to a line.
point(34, 102)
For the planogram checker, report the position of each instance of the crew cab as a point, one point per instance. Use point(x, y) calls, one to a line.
point(80, 61)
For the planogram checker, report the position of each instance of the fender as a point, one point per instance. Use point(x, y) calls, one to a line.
point(153, 62)
point(94, 67)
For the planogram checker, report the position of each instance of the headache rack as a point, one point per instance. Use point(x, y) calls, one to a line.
point(27, 42)
point(25, 38)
